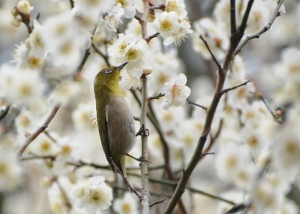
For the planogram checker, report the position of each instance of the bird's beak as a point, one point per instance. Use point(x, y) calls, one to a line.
point(122, 66)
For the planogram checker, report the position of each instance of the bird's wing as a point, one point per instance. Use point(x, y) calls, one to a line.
point(120, 128)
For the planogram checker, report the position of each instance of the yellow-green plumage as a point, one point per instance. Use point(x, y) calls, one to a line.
point(114, 117)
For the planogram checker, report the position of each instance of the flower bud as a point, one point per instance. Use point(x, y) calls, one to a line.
point(15, 22)
point(24, 7)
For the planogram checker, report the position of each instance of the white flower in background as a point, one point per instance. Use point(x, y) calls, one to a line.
point(173, 27)
point(126, 205)
point(64, 91)
point(175, 5)
point(36, 42)
point(134, 27)
point(230, 159)
point(266, 199)
point(274, 4)
point(112, 20)
point(177, 92)
point(24, 7)
point(63, 47)
point(216, 39)
point(170, 118)
point(43, 146)
point(25, 122)
point(10, 171)
point(93, 194)
point(82, 116)
point(20, 86)
point(259, 16)
point(129, 8)
point(88, 12)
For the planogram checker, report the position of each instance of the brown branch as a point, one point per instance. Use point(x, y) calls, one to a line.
point(235, 87)
point(232, 16)
point(63, 192)
point(194, 190)
point(195, 104)
point(21, 150)
point(105, 57)
point(266, 28)
point(156, 97)
point(71, 3)
point(158, 202)
point(26, 21)
point(4, 112)
point(246, 15)
point(197, 155)
point(148, 39)
point(211, 53)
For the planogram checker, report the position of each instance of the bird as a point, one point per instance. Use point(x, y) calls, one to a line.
point(114, 117)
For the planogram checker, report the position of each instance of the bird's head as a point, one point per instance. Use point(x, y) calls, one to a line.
point(109, 77)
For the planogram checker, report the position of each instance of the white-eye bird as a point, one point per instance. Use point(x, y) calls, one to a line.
point(114, 117)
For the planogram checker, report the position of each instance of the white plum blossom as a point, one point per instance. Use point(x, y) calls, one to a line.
point(175, 5)
point(10, 171)
point(177, 92)
point(125, 49)
point(20, 86)
point(112, 20)
point(129, 8)
point(215, 38)
point(126, 205)
point(24, 7)
point(173, 27)
point(93, 194)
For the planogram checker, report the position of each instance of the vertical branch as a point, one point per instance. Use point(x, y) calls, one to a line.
point(144, 165)
point(232, 16)
point(246, 15)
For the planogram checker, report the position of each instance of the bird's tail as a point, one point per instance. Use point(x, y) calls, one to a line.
point(121, 164)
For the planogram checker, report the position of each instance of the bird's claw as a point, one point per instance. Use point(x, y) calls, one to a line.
point(142, 131)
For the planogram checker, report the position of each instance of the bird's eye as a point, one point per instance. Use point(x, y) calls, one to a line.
point(108, 70)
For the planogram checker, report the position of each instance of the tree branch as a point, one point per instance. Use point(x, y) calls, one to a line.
point(235, 87)
point(212, 55)
point(232, 16)
point(266, 28)
point(21, 150)
point(195, 104)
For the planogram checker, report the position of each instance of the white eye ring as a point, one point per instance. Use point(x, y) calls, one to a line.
point(108, 70)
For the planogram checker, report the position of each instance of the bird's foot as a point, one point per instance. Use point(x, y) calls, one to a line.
point(140, 159)
point(142, 131)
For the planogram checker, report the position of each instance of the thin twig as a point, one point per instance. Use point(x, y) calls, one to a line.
point(131, 189)
point(195, 104)
point(158, 202)
point(21, 150)
point(4, 112)
point(105, 57)
point(33, 157)
point(270, 110)
point(63, 192)
point(71, 3)
point(159, 7)
point(148, 39)
point(156, 97)
point(211, 53)
point(266, 28)
point(26, 21)
point(235, 87)
point(174, 183)
point(153, 193)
